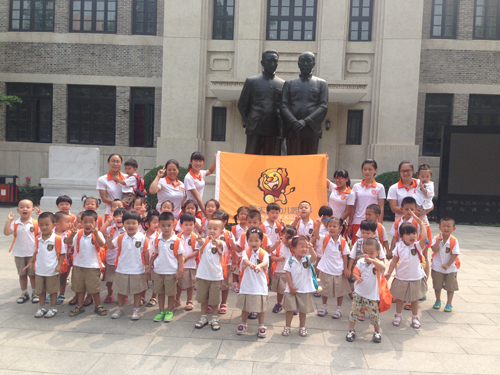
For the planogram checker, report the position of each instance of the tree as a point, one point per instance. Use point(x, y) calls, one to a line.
point(8, 100)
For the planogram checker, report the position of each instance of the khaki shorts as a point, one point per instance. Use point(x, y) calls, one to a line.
point(164, 284)
point(22, 262)
point(109, 273)
point(299, 301)
point(207, 290)
point(227, 283)
point(334, 286)
point(446, 281)
point(188, 279)
point(86, 280)
point(408, 291)
point(47, 284)
point(129, 284)
point(279, 283)
point(252, 303)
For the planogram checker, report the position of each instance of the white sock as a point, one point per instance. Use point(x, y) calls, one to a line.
point(324, 306)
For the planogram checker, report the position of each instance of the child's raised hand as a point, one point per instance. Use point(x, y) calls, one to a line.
point(318, 220)
point(38, 210)
point(416, 217)
point(440, 237)
point(367, 259)
point(161, 172)
point(283, 225)
point(73, 227)
point(200, 239)
point(11, 216)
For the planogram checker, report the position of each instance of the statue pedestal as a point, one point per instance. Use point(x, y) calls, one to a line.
point(73, 171)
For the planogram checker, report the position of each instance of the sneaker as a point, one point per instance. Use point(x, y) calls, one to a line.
point(40, 312)
point(159, 317)
point(262, 332)
point(169, 315)
point(35, 298)
point(277, 308)
point(51, 313)
point(242, 328)
point(377, 337)
point(351, 335)
point(136, 315)
point(118, 313)
point(24, 297)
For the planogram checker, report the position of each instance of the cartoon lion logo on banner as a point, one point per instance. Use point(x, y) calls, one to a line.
point(274, 183)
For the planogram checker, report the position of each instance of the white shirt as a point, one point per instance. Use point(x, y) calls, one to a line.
point(253, 282)
point(332, 261)
point(398, 191)
point(366, 195)
point(227, 250)
point(112, 253)
point(191, 183)
point(64, 235)
point(368, 288)
point(168, 192)
point(24, 246)
point(130, 260)
point(238, 231)
point(130, 184)
point(284, 252)
point(425, 200)
point(304, 229)
point(301, 275)
point(46, 258)
point(178, 227)
point(443, 256)
point(152, 239)
point(357, 250)
point(409, 267)
point(86, 254)
point(112, 188)
point(210, 267)
point(338, 202)
point(166, 263)
point(188, 250)
point(272, 231)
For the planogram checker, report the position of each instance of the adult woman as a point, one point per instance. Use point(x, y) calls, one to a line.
point(109, 189)
point(195, 180)
point(168, 188)
point(368, 191)
point(406, 187)
point(342, 198)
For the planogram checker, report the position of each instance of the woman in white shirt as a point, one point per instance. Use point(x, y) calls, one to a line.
point(108, 188)
point(342, 198)
point(168, 187)
point(195, 180)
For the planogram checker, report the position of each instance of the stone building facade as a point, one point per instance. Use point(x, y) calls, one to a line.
point(389, 66)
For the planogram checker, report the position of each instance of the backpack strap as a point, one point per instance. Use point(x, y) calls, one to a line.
point(233, 229)
point(278, 225)
point(263, 228)
point(78, 238)
point(380, 231)
point(120, 241)
point(264, 241)
point(273, 266)
point(325, 242)
point(396, 228)
point(99, 221)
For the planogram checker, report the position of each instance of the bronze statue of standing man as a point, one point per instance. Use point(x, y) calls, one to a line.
point(303, 108)
point(259, 105)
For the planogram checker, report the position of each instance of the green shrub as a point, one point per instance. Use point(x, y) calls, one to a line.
point(388, 179)
point(150, 177)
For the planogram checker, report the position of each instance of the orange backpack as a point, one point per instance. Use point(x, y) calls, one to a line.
point(176, 247)
point(101, 252)
point(144, 249)
point(223, 260)
point(453, 242)
point(262, 253)
point(58, 243)
point(35, 231)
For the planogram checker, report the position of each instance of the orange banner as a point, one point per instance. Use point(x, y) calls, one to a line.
point(257, 180)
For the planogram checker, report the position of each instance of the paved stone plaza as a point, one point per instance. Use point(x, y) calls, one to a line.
point(466, 341)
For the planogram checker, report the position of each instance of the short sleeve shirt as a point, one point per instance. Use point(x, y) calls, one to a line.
point(306, 229)
point(409, 267)
point(357, 250)
point(272, 231)
point(166, 263)
point(189, 248)
point(368, 288)
point(46, 258)
point(24, 246)
point(332, 261)
point(284, 251)
point(339, 201)
point(131, 183)
point(86, 254)
point(398, 191)
point(112, 188)
point(443, 256)
point(192, 182)
point(112, 253)
point(172, 191)
point(130, 260)
point(301, 274)
point(252, 282)
point(366, 195)
point(210, 267)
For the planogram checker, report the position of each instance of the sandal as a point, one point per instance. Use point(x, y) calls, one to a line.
point(201, 323)
point(73, 301)
point(397, 320)
point(362, 316)
point(60, 299)
point(109, 298)
point(143, 301)
point(277, 308)
point(407, 306)
point(177, 303)
point(322, 312)
point(303, 331)
point(351, 335)
point(215, 324)
point(317, 295)
point(223, 308)
point(437, 305)
point(35, 298)
point(152, 302)
point(100, 310)
point(242, 328)
point(88, 301)
point(262, 332)
point(209, 309)
point(77, 311)
point(337, 314)
point(415, 323)
point(286, 331)
point(189, 306)
point(448, 308)
point(24, 297)
point(252, 315)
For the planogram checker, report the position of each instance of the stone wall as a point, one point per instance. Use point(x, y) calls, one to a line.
point(59, 113)
point(460, 109)
point(465, 19)
point(3, 90)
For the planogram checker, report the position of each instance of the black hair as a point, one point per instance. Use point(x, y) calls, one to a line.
point(85, 199)
point(337, 219)
point(407, 228)
point(216, 202)
point(268, 52)
point(372, 162)
point(405, 162)
point(89, 213)
point(344, 174)
point(167, 216)
point(47, 215)
point(64, 199)
point(221, 214)
point(186, 216)
point(152, 213)
point(325, 211)
point(368, 225)
point(255, 230)
point(375, 208)
point(60, 215)
point(142, 199)
point(117, 199)
point(408, 200)
point(195, 156)
point(132, 163)
point(119, 211)
point(242, 208)
point(296, 240)
point(190, 201)
point(447, 218)
point(310, 206)
point(110, 156)
point(132, 215)
point(168, 201)
point(172, 161)
point(273, 206)
point(289, 229)
point(253, 214)
point(424, 167)
point(372, 242)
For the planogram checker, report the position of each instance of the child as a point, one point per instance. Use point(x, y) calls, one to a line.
point(410, 283)
point(445, 251)
point(373, 213)
point(25, 229)
point(408, 206)
point(304, 225)
point(210, 207)
point(167, 206)
point(254, 295)
point(64, 204)
point(254, 220)
point(191, 250)
point(130, 183)
point(151, 226)
point(47, 261)
point(86, 275)
point(425, 192)
point(324, 213)
point(299, 283)
point(367, 229)
point(62, 226)
point(167, 262)
point(271, 226)
point(91, 203)
point(366, 292)
point(140, 205)
point(211, 272)
point(132, 263)
point(279, 258)
point(113, 227)
point(333, 266)
point(237, 230)
point(117, 203)
point(191, 207)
